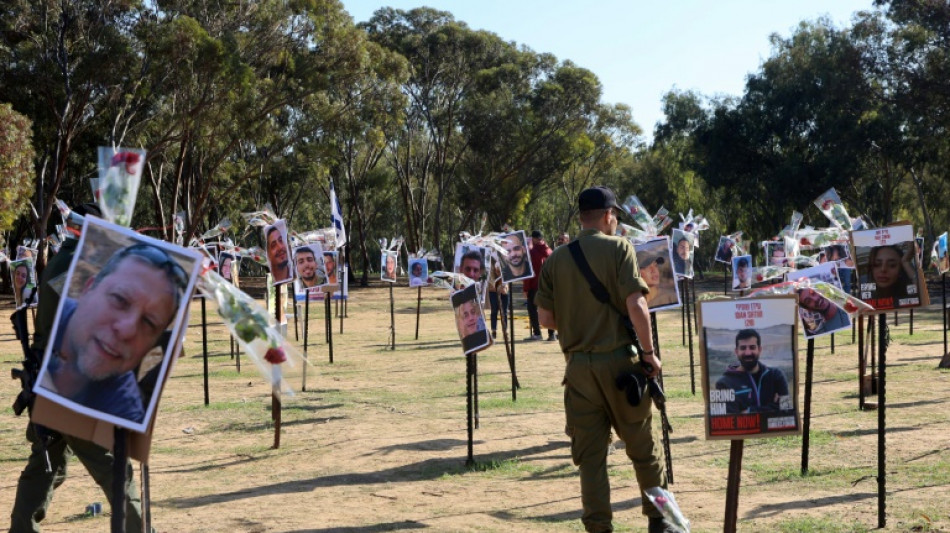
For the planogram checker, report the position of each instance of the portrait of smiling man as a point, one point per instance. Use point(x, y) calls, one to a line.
point(278, 259)
point(516, 265)
point(103, 334)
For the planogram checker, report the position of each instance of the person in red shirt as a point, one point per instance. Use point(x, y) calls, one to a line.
point(540, 251)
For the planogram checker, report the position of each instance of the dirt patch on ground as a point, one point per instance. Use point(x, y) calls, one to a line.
point(378, 441)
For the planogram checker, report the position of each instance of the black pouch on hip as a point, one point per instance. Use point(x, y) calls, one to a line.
point(633, 383)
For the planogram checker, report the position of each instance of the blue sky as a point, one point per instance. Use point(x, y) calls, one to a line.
point(640, 49)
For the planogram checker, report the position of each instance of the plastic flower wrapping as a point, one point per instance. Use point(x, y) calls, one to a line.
point(325, 236)
point(120, 173)
point(664, 501)
point(255, 330)
point(68, 214)
point(179, 226)
point(829, 203)
point(96, 191)
point(4, 258)
point(632, 234)
point(264, 217)
point(791, 228)
point(452, 281)
point(220, 229)
point(767, 272)
point(736, 239)
point(809, 237)
point(634, 207)
point(661, 220)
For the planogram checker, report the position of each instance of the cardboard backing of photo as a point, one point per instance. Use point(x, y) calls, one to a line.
point(68, 422)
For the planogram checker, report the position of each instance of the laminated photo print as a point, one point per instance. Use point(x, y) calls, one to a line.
point(331, 266)
point(775, 253)
point(471, 261)
point(942, 260)
point(838, 252)
point(278, 252)
point(229, 266)
point(888, 271)
point(470, 320)
point(516, 265)
point(418, 272)
point(656, 268)
point(683, 248)
point(725, 250)
point(820, 315)
point(125, 301)
point(24, 281)
point(387, 262)
point(308, 262)
point(742, 272)
point(748, 353)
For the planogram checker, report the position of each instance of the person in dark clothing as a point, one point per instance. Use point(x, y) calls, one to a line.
point(757, 388)
point(540, 251)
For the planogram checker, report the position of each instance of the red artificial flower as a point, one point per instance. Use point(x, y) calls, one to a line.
point(129, 158)
point(275, 356)
point(850, 307)
point(826, 205)
point(759, 277)
point(805, 241)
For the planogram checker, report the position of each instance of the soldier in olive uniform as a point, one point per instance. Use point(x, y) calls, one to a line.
point(598, 349)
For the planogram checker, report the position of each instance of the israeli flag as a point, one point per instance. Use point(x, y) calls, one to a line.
point(336, 217)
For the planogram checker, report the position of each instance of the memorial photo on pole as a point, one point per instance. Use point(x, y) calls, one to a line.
point(888, 271)
point(23, 281)
point(470, 320)
point(418, 272)
point(471, 261)
point(388, 261)
point(278, 254)
point(748, 353)
point(115, 331)
point(943, 260)
point(683, 247)
point(516, 265)
point(656, 268)
point(228, 266)
point(775, 253)
point(308, 260)
point(742, 272)
point(726, 249)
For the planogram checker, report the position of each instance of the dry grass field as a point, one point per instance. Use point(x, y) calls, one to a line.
point(378, 440)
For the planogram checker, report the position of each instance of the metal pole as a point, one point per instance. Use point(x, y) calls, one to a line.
point(275, 406)
point(146, 497)
point(469, 372)
point(329, 321)
point(882, 425)
point(306, 330)
point(806, 423)
point(943, 287)
point(664, 421)
point(204, 345)
point(418, 309)
point(732, 486)
point(862, 369)
point(120, 458)
point(691, 303)
point(392, 317)
point(685, 308)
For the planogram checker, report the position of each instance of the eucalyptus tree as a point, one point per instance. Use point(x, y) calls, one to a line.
point(237, 85)
point(444, 57)
point(62, 64)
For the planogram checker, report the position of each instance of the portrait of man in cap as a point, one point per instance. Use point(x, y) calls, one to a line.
point(656, 269)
